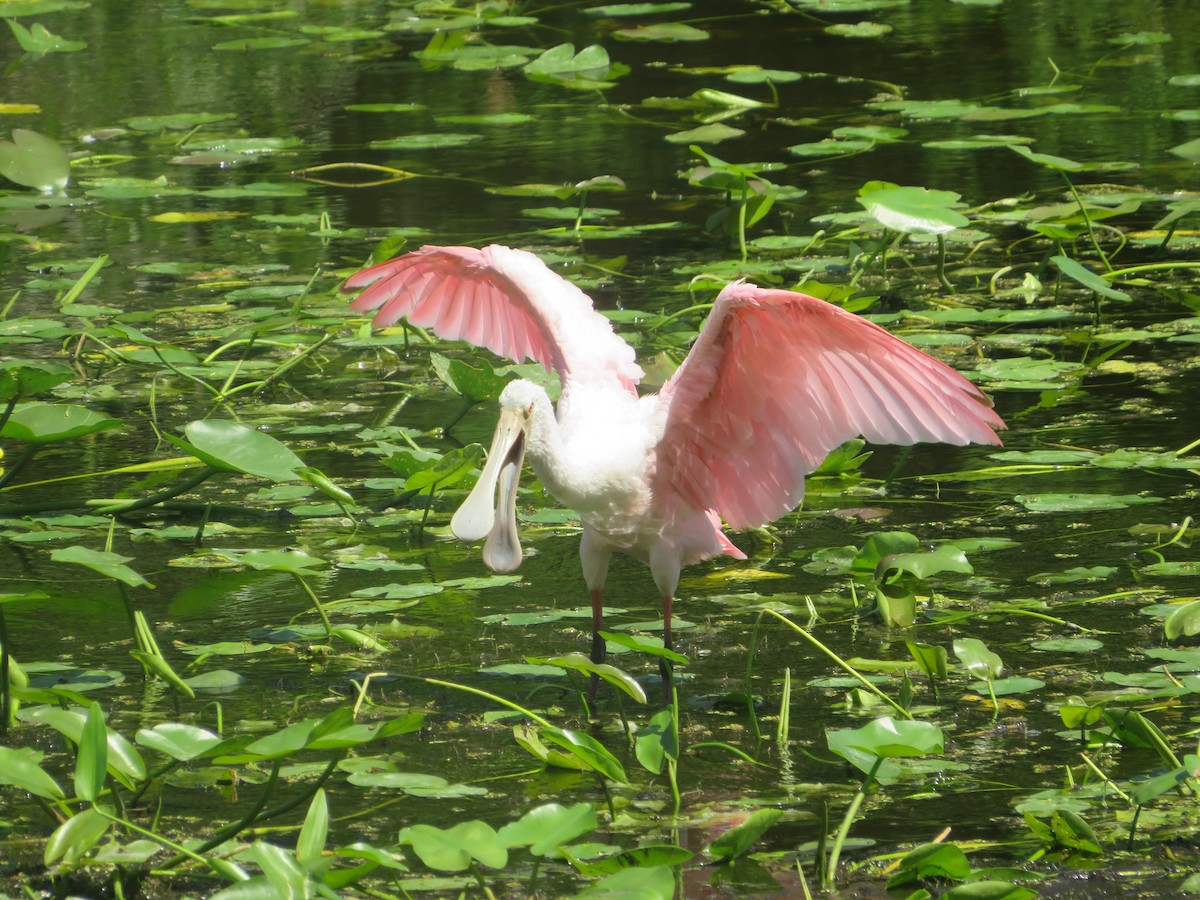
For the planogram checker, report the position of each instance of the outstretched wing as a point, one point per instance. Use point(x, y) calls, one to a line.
point(503, 299)
point(776, 380)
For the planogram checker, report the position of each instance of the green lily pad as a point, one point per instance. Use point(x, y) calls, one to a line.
point(48, 423)
point(1081, 502)
point(617, 10)
point(37, 40)
point(175, 121)
point(668, 32)
point(24, 378)
point(34, 160)
point(273, 42)
point(233, 447)
point(859, 29)
point(111, 565)
point(434, 141)
point(912, 210)
point(705, 134)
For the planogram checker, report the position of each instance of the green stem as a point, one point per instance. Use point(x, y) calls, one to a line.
point(8, 409)
point(1087, 221)
point(5, 687)
point(224, 834)
point(841, 663)
point(18, 464)
point(181, 851)
point(316, 602)
point(835, 851)
point(941, 264)
point(481, 693)
point(108, 508)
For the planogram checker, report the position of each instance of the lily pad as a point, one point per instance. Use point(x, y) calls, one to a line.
point(48, 423)
point(34, 160)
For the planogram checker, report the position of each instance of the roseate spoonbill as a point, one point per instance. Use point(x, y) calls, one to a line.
point(775, 381)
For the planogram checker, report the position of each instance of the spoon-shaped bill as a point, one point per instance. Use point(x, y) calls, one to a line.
point(477, 518)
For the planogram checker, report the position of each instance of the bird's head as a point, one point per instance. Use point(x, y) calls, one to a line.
point(490, 510)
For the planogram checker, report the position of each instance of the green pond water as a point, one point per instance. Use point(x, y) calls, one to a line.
point(212, 236)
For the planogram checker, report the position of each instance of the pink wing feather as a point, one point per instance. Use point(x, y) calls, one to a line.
point(503, 299)
point(776, 380)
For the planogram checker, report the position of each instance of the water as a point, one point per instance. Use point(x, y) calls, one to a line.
point(157, 58)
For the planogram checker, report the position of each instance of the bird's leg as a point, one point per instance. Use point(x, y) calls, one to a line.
point(594, 554)
point(596, 595)
point(664, 664)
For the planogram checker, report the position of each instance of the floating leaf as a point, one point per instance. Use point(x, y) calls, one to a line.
point(37, 40)
point(705, 134)
point(108, 564)
point(1081, 502)
point(668, 32)
point(275, 42)
point(48, 423)
point(615, 10)
point(436, 141)
point(34, 160)
point(912, 210)
point(233, 447)
point(562, 60)
point(24, 378)
point(176, 121)
point(859, 29)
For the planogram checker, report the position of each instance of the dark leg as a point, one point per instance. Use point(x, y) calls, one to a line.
point(664, 665)
point(598, 649)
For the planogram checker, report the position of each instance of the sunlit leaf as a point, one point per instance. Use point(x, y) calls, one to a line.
point(887, 738)
point(37, 40)
point(453, 849)
point(34, 160)
point(71, 841)
point(657, 742)
point(577, 662)
point(110, 565)
point(668, 32)
point(653, 883)
point(859, 29)
point(48, 423)
point(1081, 502)
point(912, 210)
point(438, 140)
point(1087, 278)
point(977, 658)
point(545, 828)
point(20, 767)
point(234, 447)
point(616, 10)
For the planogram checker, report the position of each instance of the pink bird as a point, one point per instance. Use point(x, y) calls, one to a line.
point(775, 381)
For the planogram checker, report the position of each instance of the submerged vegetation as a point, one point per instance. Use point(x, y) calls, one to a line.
point(239, 656)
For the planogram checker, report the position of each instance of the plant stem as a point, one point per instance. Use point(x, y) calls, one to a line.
point(316, 602)
point(835, 851)
point(109, 508)
point(1087, 221)
point(841, 663)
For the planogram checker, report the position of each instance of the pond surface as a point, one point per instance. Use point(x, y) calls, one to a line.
point(219, 157)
